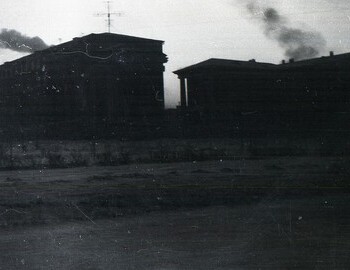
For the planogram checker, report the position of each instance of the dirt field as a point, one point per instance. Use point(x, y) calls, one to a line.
point(293, 234)
point(282, 213)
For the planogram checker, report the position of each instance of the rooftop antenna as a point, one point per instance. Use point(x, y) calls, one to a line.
point(109, 13)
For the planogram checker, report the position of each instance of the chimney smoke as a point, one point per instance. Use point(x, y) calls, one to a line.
point(297, 43)
point(14, 40)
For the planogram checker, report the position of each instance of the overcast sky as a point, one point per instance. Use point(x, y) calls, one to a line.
point(193, 30)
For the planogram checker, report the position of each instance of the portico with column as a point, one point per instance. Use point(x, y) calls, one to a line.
point(183, 91)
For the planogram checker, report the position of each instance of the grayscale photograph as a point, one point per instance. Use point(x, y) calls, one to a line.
point(174, 134)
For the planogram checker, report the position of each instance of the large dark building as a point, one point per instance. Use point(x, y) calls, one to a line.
point(246, 96)
point(218, 84)
point(96, 85)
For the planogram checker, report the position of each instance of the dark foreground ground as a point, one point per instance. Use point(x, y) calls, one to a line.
point(285, 213)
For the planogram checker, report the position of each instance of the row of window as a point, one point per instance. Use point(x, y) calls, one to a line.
point(20, 67)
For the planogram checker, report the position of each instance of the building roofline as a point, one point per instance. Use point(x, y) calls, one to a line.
point(122, 36)
point(77, 39)
point(312, 61)
point(225, 63)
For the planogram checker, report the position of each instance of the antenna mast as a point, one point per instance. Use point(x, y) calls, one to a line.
point(109, 13)
point(109, 16)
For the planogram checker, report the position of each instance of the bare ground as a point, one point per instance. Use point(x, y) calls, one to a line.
point(285, 213)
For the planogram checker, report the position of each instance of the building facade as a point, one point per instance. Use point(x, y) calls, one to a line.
point(97, 85)
point(306, 97)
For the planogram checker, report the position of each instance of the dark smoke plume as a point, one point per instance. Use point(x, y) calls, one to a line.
point(14, 40)
point(297, 43)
